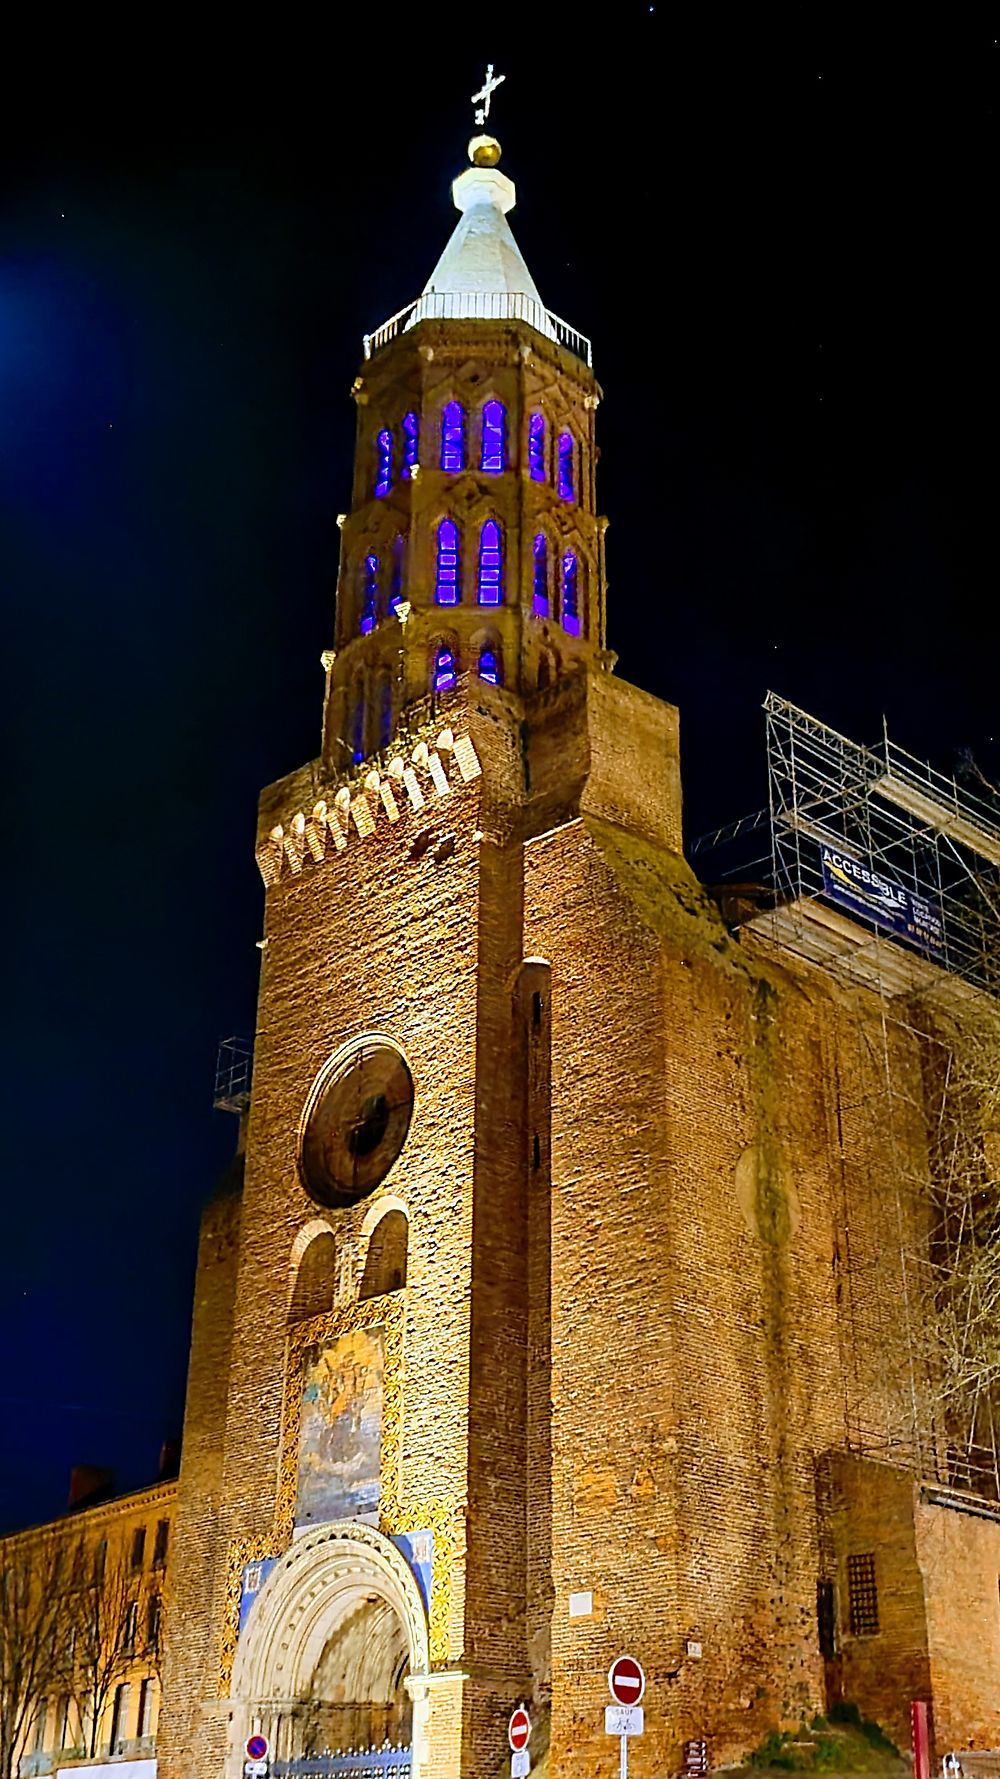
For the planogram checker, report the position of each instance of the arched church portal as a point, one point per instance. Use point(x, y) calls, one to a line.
point(331, 1639)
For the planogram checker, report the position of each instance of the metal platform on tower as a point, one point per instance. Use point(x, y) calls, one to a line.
point(233, 1072)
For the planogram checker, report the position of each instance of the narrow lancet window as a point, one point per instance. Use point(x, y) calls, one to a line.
point(369, 596)
point(567, 466)
point(384, 708)
point(357, 723)
point(494, 452)
point(452, 439)
point(445, 676)
point(446, 584)
point(396, 583)
point(411, 443)
point(570, 595)
point(540, 590)
point(489, 666)
point(536, 447)
point(383, 473)
point(490, 555)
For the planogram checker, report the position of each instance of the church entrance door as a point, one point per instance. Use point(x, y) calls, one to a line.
point(337, 1629)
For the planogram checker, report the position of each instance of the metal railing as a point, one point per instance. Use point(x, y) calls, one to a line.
point(387, 1762)
point(233, 1071)
point(480, 305)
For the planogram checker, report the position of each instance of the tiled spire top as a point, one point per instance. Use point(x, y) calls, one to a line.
point(482, 259)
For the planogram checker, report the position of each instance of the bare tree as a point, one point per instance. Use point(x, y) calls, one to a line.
point(102, 1612)
point(30, 1621)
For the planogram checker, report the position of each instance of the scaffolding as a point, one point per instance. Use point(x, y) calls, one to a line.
point(233, 1072)
point(886, 875)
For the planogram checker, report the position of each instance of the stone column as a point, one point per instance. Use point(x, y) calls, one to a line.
point(437, 1723)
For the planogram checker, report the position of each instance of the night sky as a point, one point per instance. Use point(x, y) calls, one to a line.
point(780, 241)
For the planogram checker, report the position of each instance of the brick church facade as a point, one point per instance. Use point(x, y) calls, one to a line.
point(522, 1332)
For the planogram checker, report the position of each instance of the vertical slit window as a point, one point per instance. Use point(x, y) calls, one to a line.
point(567, 466)
point(396, 582)
point(536, 447)
point(385, 710)
point(489, 563)
point(446, 582)
point(540, 584)
point(383, 473)
point(369, 595)
point(445, 677)
point(411, 443)
point(356, 739)
point(452, 439)
point(494, 452)
point(489, 666)
point(570, 594)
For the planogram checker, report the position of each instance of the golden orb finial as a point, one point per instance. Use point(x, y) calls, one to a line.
point(484, 151)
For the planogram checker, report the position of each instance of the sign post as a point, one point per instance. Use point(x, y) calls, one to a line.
point(625, 1718)
point(518, 1735)
point(256, 1764)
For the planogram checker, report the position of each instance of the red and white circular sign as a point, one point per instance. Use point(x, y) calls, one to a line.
point(626, 1681)
point(519, 1729)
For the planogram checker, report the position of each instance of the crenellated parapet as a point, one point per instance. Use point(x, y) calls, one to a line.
point(352, 811)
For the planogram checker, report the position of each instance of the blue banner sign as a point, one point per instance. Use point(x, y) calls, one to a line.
point(865, 891)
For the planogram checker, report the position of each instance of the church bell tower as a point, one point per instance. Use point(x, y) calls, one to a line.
point(366, 1551)
point(473, 546)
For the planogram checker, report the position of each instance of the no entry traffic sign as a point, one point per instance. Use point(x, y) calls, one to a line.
point(626, 1681)
point(519, 1729)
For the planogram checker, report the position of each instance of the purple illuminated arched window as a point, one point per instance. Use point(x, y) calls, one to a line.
point(411, 443)
point(536, 447)
point(445, 676)
point(446, 584)
point(489, 666)
point(540, 587)
point(566, 466)
point(494, 452)
point(490, 555)
point(452, 439)
point(383, 474)
point(570, 595)
point(396, 584)
point(369, 596)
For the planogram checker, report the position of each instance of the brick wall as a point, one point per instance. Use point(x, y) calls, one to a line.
point(871, 1509)
point(958, 1549)
point(194, 1601)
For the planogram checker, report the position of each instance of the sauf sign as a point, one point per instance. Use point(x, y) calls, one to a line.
point(625, 1718)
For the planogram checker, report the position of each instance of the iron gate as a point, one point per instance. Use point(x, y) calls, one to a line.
point(387, 1762)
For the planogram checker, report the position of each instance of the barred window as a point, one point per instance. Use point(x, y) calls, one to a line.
point(862, 1595)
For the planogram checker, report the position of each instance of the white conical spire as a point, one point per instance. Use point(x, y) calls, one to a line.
point(481, 274)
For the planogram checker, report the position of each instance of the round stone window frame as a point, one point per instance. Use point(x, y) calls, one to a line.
point(339, 1194)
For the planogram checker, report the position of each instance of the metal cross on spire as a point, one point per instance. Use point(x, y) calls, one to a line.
point(486, 92)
